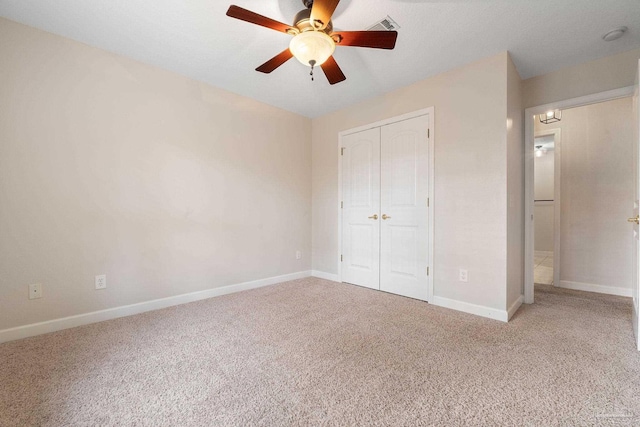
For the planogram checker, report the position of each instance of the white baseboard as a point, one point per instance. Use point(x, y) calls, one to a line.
point(466, 307)
point(589, 287)
point(128, 310)
point(515, 306)
point(323, 275)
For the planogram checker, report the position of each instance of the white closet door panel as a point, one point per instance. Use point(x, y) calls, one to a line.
point(361, 201)
point(404, 238)
point(404, 246)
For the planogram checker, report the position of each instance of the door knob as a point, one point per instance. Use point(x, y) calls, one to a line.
point(374, 216)
point(636, 219)
point(384, 216)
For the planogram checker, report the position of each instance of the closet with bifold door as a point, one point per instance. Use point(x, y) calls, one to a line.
point(385, 207)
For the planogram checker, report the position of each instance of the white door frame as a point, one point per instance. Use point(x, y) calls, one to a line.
point(557, 174)
point(423, 112)
point(635, 293)
point(529, 169)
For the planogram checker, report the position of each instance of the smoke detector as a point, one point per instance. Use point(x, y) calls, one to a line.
point(614, 34)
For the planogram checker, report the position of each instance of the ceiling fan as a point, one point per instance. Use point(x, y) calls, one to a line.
point(314, 40)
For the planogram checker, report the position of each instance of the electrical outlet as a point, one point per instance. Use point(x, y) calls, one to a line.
point(101, 281)
point(298, 254)
point(35, 291)
point(463, 275)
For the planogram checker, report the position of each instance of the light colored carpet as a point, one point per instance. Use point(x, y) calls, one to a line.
point(313, 352)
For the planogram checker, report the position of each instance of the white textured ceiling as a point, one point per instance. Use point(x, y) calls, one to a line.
point(195, 38)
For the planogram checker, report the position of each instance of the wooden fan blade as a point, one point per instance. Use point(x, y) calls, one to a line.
point(322, 11)
point(373, 39)
point(332, 71)
point(275, 62)
point(248, 16)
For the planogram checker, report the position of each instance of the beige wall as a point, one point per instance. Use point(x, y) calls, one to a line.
point(543, 237)
point(515, 186)
point(604, 74)
point(544, 174)
point(164, 184)
point(470, 176)
point(543, 211)
point(597, 194)
point(171, 186)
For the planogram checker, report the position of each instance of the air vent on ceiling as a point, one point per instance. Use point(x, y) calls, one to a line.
point(386, 24)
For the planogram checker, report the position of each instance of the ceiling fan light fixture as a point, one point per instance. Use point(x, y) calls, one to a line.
point(312, 46)
point(314, 41)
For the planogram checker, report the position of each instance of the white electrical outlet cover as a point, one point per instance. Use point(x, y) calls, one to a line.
point(463, 275)
point(101, 281)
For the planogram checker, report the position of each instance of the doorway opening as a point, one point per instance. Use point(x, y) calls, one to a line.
point(547, 175)
point(576, 234)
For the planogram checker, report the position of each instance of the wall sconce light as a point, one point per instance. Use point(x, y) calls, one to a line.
point(551, 117)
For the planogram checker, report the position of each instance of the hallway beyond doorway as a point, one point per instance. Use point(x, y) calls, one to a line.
point(543, 268)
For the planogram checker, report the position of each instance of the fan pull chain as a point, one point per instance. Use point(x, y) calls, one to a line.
point(312, 63)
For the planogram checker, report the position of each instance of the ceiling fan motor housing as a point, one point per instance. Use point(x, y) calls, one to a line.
point(302, 22)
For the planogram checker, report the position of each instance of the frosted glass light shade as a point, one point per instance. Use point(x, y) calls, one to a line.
point(312, 46)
